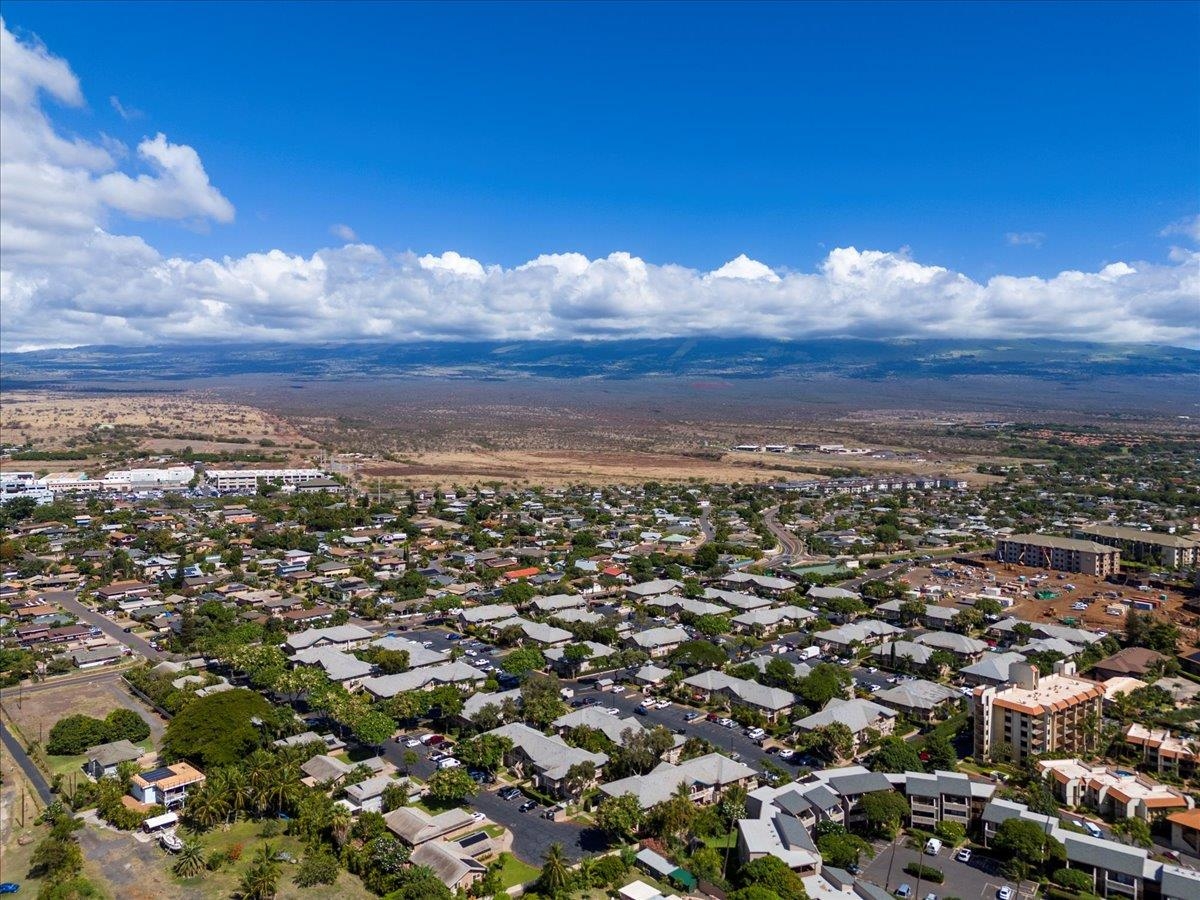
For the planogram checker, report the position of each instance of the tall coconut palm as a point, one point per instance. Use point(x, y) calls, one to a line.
point(555, 879)
point(340, 821)
point(190, 861)
point(260, 772)
point(236, 788)
point(281, 788)
point(206, 807)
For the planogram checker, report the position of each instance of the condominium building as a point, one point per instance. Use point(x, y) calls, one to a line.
point(1037, 714)
point(1045, 551)
point(1170, 550)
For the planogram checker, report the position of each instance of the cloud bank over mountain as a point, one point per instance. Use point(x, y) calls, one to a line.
point(75, 272)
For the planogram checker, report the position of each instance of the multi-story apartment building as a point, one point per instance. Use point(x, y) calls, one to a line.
point(1037, 714)
point(1045, 551)
point(1170, 550)
point(946, 797)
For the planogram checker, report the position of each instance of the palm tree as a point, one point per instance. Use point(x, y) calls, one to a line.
point(260, 774)
point(262, 878)
point(340, 821)
point(190, 861)
point(206, 807)
point(237, 790)
point(281, 788)
point(556, 877)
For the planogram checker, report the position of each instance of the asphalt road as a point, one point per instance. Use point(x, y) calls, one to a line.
point(86, 614)
point(876, 575)
point(14, 748)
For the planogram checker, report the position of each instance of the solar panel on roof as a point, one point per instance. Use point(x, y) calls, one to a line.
point(158, 775)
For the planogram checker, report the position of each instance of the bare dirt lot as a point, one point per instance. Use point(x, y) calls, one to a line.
point(968, 580)
point(151, 421)
point(35, 708)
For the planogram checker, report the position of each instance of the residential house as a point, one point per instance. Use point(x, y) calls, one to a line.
point(166, 786)
point(103, 760)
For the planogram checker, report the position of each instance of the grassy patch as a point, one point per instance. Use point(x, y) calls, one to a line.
point(223, 883)
point(514, 871)
point(722, 841)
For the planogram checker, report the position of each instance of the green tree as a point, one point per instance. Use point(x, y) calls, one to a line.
point(487, 751)
point(373, 728)
point(575, 654)
point(698, 655)
point(843, 850)
point(942, 755)
point(884, 811)
point(524, 660)
point(555, 879)
point(773, 874)
point(1074, 879)
point(1026, 845)
point(218, 729)
point(620, 817)
point(125, 724)
point(75, 734)
point(896, 755)
point(451, 785)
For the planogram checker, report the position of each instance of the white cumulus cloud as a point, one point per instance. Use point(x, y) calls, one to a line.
point(68, 276)
point(1024, 238)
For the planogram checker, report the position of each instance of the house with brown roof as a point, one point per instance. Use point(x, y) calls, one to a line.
point(1136, 662)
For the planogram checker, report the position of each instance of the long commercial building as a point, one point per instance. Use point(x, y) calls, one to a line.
point(1037, 714)
point(1170, 550)
point(248, 479)
point(1044, 551)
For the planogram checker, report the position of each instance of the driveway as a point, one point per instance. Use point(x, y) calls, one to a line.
point(978, 879)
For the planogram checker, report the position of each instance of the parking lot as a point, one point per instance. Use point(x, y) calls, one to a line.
point(977, 879)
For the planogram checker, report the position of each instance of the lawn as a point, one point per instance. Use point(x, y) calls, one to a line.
point(513, 871)
point(722, 841)
point(224, 882)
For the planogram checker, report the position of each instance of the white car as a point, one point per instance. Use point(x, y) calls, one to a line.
point(662, 704)
point(1005, 893)
point(412, 742)
point(963, 855)
point(478, 816)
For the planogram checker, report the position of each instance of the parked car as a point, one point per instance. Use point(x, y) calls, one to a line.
point(478, 816)
point(411, 742)
point(963, 855)
point(691, 717)
point(931, 896)
point(527, 806)
point(510, 793)
point(904, 891)
point(436, 757)
point(1005, 893)
point(9, 887)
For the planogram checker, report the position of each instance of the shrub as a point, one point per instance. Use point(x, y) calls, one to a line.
point(75, 734)
point(125, 724)
point(320, 867)
point(924, 872)
point(216, 860)
point(234, 852)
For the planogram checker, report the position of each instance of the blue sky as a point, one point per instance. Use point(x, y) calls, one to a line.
point(680, 133)
point(307, 171)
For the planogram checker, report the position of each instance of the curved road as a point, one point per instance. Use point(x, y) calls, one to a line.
point(793, 547)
